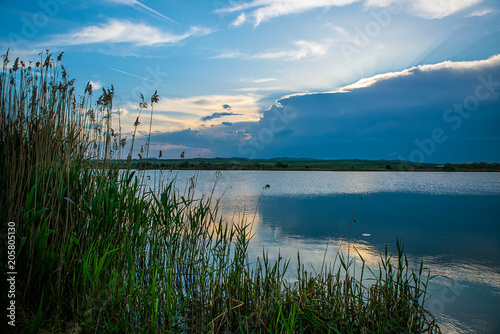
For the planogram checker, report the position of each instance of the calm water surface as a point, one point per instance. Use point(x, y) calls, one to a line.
point(452, 220)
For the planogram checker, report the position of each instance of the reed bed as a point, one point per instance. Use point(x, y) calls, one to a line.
point(97, 252)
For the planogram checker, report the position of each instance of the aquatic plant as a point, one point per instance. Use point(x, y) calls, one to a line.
point(97, 251)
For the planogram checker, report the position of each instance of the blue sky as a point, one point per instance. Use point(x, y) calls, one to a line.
point(330, 79)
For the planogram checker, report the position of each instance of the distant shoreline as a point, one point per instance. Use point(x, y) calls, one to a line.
point(286, 164)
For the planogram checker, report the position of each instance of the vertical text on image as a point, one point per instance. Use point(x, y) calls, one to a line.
point(11, 274)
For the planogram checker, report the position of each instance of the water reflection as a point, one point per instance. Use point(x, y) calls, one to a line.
point(458, 237)
point(429, 224)
point(451, 220)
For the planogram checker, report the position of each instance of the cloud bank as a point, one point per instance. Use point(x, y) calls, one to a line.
point(445, 112)
point(196, 112)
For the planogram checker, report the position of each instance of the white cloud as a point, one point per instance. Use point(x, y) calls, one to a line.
point(339, 30)
point(258, 11)
point(461, 65)
point(264, 10)
point(230, 55)
point(480, 12)
point(428, 9)
point(96, 85)
point(380, 3)
point(123, 31)
point(258, 80)
point(196, 31)
point(305, 49)
point(176, 114)
point(239, 21)
point(437, 9)
point(121, 112)
point(456, 66)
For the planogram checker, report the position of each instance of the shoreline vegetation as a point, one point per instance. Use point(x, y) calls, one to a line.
point(303, 165)
point(99, 252)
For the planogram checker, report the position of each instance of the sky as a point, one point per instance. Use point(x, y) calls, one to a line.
point(327, 79)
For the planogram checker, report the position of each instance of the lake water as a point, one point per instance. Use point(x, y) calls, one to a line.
point(451, 220)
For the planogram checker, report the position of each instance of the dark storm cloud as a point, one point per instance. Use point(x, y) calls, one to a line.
point(432, 113)
point(218, 115)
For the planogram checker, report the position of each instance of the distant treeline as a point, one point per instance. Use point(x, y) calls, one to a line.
point(475, 166)
point(333, 165)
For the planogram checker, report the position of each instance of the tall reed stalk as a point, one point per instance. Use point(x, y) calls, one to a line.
point(97, 252)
